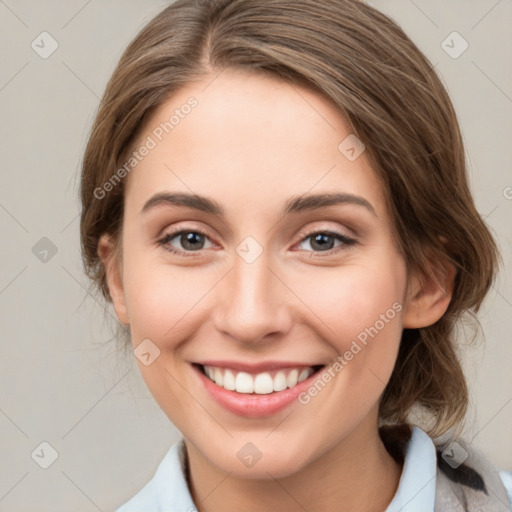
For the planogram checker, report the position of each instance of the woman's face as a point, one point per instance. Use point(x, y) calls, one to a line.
point(269, 286)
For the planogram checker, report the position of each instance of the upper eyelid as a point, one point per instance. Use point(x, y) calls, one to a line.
point(300, 232)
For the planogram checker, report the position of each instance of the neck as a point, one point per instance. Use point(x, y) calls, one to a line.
point(356, 474)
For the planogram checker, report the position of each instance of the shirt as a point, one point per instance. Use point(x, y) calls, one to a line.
point(168, 491)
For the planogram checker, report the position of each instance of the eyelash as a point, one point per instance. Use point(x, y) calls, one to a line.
point(347, 242)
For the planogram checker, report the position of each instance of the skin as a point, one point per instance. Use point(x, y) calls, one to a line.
point(250, 144)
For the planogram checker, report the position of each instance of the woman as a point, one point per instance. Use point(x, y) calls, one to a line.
point(312, 155)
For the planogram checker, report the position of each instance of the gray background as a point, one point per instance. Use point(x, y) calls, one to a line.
point(62, 379)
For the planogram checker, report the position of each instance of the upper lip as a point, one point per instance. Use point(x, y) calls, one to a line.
point(261, 367)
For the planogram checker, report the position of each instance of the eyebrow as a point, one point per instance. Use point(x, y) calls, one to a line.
point(296, 204)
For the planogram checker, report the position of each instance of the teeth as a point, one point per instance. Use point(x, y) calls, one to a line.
point(280, 381)
point(260, 384)
point(303, 375)
point(244, 383)
point(291, 380)
point(229, 381)
point(263, 384)
point(218, 377)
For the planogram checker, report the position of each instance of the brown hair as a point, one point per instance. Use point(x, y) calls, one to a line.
point(361, 61)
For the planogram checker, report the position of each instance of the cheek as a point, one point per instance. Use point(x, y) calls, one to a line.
point(352, 299)
point(360, 307)
point(160, 298)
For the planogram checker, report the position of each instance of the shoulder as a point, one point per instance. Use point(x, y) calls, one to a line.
point(506, 478)
point(466, 475)
point(167, 490)
point(146, 497)
point(448, 474)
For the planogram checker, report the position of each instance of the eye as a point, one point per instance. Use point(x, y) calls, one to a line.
point(323, 241)
point(192, 240)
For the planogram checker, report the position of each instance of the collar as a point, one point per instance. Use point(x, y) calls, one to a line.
point(417, 486)
point(168, 491)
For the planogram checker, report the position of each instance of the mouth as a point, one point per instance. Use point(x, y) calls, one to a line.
point(257, 383)
point(255, 390)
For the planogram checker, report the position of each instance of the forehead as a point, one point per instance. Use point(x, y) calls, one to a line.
point(249, 140)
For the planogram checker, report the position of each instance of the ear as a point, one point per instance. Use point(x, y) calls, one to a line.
point(114, 275)
point(429, 296)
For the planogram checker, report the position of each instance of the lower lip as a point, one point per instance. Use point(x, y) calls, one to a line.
point(253, 405)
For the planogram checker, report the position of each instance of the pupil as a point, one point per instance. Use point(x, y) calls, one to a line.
point(323, 240)
point(191, 238)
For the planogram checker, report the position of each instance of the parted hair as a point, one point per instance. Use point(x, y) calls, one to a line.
point(361, 61)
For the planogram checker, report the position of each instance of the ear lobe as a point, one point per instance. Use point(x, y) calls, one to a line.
point(113, 274)
point(429, 297)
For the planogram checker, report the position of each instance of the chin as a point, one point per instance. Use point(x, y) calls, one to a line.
point(260, 460)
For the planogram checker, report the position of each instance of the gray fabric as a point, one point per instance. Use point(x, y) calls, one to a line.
point(473, 486)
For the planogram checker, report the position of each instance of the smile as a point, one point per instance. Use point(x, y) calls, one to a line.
point(255, 390)
point(262, 383)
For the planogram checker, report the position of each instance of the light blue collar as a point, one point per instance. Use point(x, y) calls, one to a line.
point(167, 491)
point(417, 487)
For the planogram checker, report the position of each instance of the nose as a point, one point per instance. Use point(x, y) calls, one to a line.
point(252, 304)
